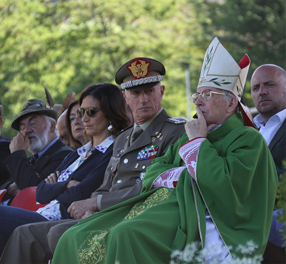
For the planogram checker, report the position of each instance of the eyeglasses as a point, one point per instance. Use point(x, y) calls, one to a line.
point(206, 95)
point(90, 111)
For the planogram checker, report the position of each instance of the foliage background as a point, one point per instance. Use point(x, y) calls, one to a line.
point(68, 44)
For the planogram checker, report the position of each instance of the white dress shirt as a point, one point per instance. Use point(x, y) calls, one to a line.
point(269, 129)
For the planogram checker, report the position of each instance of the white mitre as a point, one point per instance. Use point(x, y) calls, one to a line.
point(221, 71)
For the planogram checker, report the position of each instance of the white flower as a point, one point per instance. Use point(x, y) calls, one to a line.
point(212, 255)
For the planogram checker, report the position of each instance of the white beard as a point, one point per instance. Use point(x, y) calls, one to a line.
point(38, 143)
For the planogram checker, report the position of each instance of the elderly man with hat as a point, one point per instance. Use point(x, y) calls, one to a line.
point(36, 124)
point(134, 150)
point(214, 187)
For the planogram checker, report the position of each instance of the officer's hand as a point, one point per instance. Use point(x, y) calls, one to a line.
point(78, 209)
point(87, 214)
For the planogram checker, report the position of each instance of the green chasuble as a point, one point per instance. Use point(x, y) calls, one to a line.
point(235, 183)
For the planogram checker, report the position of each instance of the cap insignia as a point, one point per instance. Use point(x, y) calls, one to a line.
point(139, 68)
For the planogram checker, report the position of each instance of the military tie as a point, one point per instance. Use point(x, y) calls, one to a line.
point(136, 133)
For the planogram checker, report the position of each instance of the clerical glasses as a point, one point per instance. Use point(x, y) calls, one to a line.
point(206, 95)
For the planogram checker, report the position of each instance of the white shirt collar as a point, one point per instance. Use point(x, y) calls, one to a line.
point(102, 147)
point(280, 117)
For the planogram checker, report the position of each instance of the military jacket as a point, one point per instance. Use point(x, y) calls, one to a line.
point(126, 169)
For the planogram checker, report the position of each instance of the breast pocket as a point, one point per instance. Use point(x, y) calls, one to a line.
point(114, 164)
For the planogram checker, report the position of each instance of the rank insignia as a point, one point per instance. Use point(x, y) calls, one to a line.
point(118, 152)
point(139, 68)
point(148, 153)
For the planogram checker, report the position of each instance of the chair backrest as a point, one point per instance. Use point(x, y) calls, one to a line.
point(2, 193)
point(26, 199)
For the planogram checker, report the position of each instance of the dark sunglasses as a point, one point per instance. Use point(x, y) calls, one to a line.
point(90, 111)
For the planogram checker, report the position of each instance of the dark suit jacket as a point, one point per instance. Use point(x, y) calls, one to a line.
point(277, 148)
point(90, 175)
point(122, 179)
point(26, 174)
point(4, 152)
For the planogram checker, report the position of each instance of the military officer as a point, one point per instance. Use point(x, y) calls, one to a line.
point(140, 79)
point(134, 149)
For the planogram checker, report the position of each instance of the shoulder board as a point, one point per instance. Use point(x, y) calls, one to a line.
point(177, 120)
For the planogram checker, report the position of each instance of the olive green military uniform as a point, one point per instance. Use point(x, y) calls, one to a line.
point(128, 163)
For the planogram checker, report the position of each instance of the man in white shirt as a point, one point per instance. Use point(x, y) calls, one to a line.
point(268, 89)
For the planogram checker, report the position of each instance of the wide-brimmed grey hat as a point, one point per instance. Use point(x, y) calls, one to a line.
point(140, 73)
point(34, 106)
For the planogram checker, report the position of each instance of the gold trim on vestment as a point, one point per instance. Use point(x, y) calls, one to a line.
point(93, 249)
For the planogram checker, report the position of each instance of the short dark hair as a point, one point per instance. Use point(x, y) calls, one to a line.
point(111, 102)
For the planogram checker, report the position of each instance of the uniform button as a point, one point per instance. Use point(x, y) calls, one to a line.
point(143, 167)
point(119, 181)
point(125, 161)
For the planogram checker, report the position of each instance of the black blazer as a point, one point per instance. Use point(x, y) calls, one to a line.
point(90, 175)
point(4, 152)
point(277, 148)
point(26, 174)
